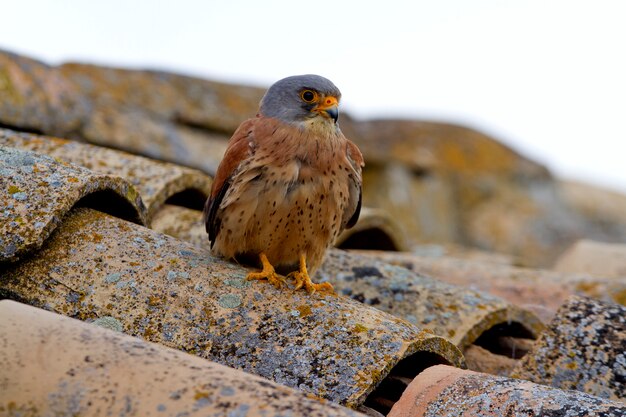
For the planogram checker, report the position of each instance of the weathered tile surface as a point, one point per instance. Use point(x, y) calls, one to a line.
point(454, 312)
point(37, 191)
point(35, 97)
point(170, 292)
point(166, 116)
point(375, 229)
point(540, 291)
point(594, 258)
point(446, 391)
point(75, 368)
point(583, 348)
point(154, 180)
point(182, 223)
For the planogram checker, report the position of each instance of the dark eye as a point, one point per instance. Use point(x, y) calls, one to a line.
point(308, 96)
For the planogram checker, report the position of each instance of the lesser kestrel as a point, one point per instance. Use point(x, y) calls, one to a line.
point(288, 184)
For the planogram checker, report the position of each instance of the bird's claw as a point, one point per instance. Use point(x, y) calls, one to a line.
point(267, 273)
point(271, 276)
point(302, 279)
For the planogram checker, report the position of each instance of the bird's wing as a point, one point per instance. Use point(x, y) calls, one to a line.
point(351, 214)
point(240, 147)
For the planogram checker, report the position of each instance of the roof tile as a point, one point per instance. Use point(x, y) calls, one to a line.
point(89, 370)
point(583, 348)
point(536, 290)
point(171, 292)
point(594, 258)
point(37, 191)
point(443, 390)
point(466, 314)
point(455, 312)
point(154, 180)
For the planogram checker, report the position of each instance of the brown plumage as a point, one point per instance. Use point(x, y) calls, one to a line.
point(288, 184)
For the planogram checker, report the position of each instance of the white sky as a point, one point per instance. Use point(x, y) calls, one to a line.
point(547, 77)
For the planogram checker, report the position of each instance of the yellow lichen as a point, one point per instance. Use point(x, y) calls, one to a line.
point(359, 328)
point(620, 297)
point(304, 310)
point(200, 395)
point(154, 301)
point(588, 288)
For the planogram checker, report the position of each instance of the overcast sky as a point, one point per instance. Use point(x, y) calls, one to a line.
point(546, 77)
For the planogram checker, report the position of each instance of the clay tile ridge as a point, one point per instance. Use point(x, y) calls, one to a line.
point(37, 191)
point(157, 182)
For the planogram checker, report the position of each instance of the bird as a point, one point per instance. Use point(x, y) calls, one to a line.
point(289, 183)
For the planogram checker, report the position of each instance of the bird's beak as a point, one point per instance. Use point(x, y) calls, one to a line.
point(329, 107)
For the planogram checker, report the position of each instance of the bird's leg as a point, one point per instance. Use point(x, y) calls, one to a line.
point(302, 279)
point(268, 273)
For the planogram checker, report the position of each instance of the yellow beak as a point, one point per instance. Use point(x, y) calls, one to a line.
point(329, 107)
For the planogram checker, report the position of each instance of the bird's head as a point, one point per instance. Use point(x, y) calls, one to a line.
point(301, 99)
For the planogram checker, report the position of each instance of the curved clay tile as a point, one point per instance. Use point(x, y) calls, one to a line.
point(134, 131)
point(165, 116)
point(424, 205)
point(161, 115)
point(35, 97)
point(186, 100)
point(37, 191)
point(446, 391)
point(457, 313)
point(182, 223)
point(168, 291)
point(375, 229)
point(86, 370)
point(460, 314)
point(536, 290)
point(583, 348)
point(595, 258)
point(444, 147)
point(156, 181)
point(452, 250)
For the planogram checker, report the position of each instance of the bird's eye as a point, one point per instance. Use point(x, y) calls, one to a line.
point(308, 96)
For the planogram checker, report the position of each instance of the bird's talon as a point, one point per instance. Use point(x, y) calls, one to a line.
point(302, 279)
point(267, 273)
point(271, 276)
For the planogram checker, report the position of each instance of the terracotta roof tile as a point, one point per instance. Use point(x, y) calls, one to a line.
point(170, 292)
point(583, 348)
point(35, 97)
point(536, 290)
point(155, 181)
point(375, 229)
point(458, 313)
point(443, 390)
point(37, 191)
point(466, 314)
point(595, 258)
point(90, 371)
point(161, 115)
point(437, 183)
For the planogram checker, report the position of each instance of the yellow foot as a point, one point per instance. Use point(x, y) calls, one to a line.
point(267, 273)
point(302, 279)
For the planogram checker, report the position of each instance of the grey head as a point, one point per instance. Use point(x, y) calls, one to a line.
point(301, 97)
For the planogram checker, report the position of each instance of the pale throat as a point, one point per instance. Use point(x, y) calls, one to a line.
point(320, 126)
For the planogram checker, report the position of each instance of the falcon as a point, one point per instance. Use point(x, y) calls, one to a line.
point(288, 184)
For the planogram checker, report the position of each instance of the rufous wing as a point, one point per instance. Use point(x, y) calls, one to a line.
point(240, 147)
point(356, 185)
